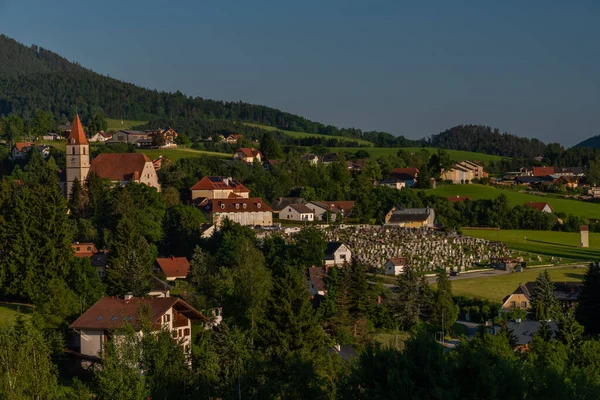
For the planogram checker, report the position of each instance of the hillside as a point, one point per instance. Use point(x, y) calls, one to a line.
point(477, 192)
point(455, 155)
point(594, 142)
point(301, 135)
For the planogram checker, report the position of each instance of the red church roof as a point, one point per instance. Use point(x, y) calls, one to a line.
point(77, 135)
point(120, 166)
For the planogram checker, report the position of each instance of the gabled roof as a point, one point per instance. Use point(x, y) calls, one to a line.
point(248, 151)
point(174, 267)
point(543, 171)
point(115, 313)
point(398, 261)
point(120, 166)
point(239, 205)
point(523, 331)
point(317, 277)
point(283, 202)
point(301, 208)
point(77, 135)
point(405, 173)
point(84, 249)
point(537, 205)
point(23, 145)
point(219, 182)
point(332, 247)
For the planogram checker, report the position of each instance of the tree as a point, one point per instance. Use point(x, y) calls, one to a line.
point(158, 140)
point(444, 311)
point(270, 148)
point(97, 122)
point(183, 229)
point(309, 247)
point(589, 300)
point(570, 331)
point(129, 264)
point(544, 304)
point(43, 123)
point(12, 128)
point(413, 299)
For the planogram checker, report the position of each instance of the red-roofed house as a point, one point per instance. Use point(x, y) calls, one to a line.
point(232, 139)
point(543, 171)
point(251, 211)
point(247, 155)
point(102, 321)
point(395, 266)
point(84, 250)
point(218, 187)
point(543, 207)
point(20, 149)
point(173, 267)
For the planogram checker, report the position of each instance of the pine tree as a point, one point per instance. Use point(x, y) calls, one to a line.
point(78, 200)
point(129, 264)
point(443, 306)
point(570, 331)
point(589, 300)
point(544, 303)
point(413, 299)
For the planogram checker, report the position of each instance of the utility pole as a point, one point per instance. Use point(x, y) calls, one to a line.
point(443, 330)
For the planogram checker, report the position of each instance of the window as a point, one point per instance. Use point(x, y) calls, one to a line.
point(180, 332)
point(244, 205)
point(257, 205)
point(73, 150)
point(523, 304)
point(166, 318)
point(222, 206)
point(84, 150)
point(237, 206)
point(175, 333)
point(513, 304)
point(186, 332)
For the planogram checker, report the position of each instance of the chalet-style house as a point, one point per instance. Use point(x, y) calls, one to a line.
point(336, 254)
point(311, 159)
point(297, 212)
point(173, 267)
point(247, 155)
point(411, 217)
point(325, 210)
point(316, 281)
point(395, 266)
point(232, 139)
point(100, 137)
point(463, 172)
point(244, 211)
point(168, 134)
point(567, 293)
point(20, 149)
point(540, 206)
point(104, 320)
point(218, 187)
point(84, 250)
point(118, 168)
point(568, 171)
point(408, 176)
point(568, 181)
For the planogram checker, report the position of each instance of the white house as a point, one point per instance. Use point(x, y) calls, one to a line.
point(336, 254)
point(393, 183)
point(395, 266)
point(103, 321)
point(250, 212)
point(297, 212)
point(540, 206)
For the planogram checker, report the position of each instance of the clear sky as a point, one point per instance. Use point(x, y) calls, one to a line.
point(531, 68)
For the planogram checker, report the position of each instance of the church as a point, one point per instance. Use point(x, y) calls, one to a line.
point(119, 168)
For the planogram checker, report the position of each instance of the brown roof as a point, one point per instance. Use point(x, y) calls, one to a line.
point(219, 182)
point(458, 199)
point(84, 249)
point(543, 171)
point(115, 313)
point(234, 136)
point(22, 145)
point(537, 205)
point(174, 267)
point(301, 208)
point(119, 166)
point(77, 135)
point(239, 205)
point(248, 151)
point(412, 172)
point(399, 260)
point(317, 277)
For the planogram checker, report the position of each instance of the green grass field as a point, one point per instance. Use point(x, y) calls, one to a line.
point(477, 192)
point(455, 155)
point(10, 312)
point(304, 134)
point(177, 154)
point(547, 243)
point(497, 287)
point(115, 124)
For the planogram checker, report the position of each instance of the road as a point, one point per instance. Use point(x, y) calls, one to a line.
point(483, 274)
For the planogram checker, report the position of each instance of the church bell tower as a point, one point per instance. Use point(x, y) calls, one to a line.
point(78, 155)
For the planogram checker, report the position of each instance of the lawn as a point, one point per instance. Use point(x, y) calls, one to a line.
point(177, 154)
point(115, 124)
point(477, 192)
point(497, 287)
point(455, 155)
point(305, 134)
point(10, 312)
point(547, 243)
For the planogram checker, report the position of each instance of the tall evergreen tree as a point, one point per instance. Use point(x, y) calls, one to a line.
point(129, 264)
point(589, 300)
point(443, 305)
point(413, 299)
point(544, 303)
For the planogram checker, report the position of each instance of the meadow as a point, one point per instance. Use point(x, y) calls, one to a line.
point(315, 135)
point(478, 192)
point(10, 312)
point(497, 287)
point(115, 124)
point(455, 155)
point(545, 243)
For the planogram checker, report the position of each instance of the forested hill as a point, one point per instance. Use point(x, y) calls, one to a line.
point(594, 142)
point(483, 139)
point(33, 78)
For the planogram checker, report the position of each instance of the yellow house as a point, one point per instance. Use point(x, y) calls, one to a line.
point(411, 217)
point(520, 298)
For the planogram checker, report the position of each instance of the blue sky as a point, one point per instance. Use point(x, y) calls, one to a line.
point(527, 67)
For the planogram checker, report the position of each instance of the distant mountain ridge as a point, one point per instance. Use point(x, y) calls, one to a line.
point(594, 142)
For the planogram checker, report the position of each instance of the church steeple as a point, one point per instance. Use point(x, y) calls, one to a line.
point(78, 155)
